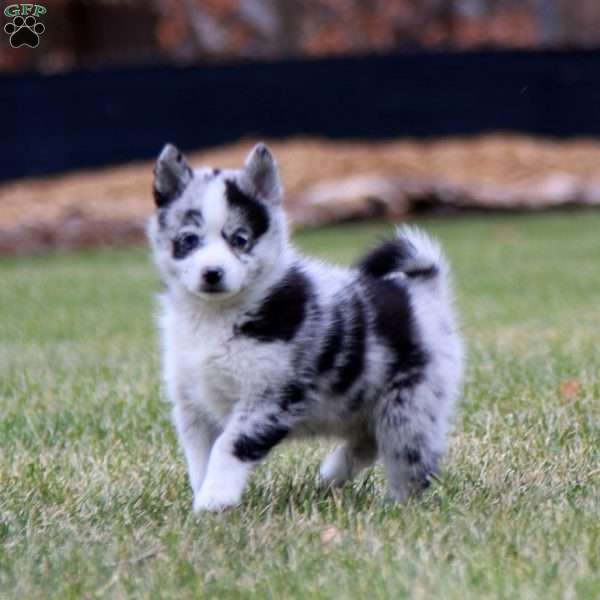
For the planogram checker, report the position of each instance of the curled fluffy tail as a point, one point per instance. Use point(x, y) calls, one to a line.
point(421, 255)
point(412, 252)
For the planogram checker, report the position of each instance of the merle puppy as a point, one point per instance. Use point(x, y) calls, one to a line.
point(262, 344)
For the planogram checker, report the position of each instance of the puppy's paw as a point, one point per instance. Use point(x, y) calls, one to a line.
point(215, 500)
point(335, 470)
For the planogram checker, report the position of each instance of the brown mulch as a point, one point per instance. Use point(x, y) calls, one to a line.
point(324, 181)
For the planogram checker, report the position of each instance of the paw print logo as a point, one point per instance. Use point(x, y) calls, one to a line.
point(24, 31)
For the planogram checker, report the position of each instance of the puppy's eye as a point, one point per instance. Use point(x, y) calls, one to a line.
point(184, 244)
point(239, 239)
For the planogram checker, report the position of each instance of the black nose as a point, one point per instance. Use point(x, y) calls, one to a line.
point(213, 275)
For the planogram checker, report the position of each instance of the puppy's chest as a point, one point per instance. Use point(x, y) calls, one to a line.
point(222, 368)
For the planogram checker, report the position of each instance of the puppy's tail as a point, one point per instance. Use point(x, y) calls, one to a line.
point(420, 256)
point(411, 253)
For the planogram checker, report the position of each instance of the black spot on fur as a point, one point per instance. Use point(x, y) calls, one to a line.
point(254, 212)
point(426, 273)
point(394, 324)
point(282, 312)
point(412, 455)
point(410, 378)
point(332, 345)
point(292, 393)
point(381, 260)
point(162, 218)
point(252, 447)
point(162, 200)
point(216, 172)
point(193, 217)
point(353, 360)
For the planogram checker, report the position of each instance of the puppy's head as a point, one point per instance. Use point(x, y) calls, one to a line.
point(216, 233)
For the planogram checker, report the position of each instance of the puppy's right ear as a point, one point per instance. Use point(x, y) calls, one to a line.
point(172, 174)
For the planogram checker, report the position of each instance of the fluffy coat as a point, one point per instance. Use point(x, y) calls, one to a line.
point(261, 344)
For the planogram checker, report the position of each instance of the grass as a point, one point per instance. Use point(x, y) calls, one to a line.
point(93, 495)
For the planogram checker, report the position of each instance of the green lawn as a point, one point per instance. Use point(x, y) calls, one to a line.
point(94, 501)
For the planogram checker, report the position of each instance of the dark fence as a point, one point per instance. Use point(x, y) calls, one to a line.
point(87, 119)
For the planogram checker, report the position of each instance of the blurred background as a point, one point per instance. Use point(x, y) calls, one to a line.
point(98, 33)
point(375, 108)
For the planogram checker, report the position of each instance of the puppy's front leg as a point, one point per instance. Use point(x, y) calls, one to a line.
point(246, 440)
point(196, 436)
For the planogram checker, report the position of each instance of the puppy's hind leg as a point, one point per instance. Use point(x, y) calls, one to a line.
point(409, 440)
point(346, 462)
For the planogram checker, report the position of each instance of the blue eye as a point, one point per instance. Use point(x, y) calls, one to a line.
point(184, 244)
point(239, 239)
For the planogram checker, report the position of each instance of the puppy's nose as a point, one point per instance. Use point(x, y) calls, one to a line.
point(212, 275)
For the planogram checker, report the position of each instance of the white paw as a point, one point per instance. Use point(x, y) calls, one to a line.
point(215, 499)
point(335, 469)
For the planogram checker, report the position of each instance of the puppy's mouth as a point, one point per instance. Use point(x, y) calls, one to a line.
point(216, 288)
point(215, 292)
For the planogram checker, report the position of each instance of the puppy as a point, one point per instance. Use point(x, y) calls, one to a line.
point(261, 344)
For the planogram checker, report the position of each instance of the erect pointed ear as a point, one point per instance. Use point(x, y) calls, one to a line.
point(171, 176)
point(261, 171)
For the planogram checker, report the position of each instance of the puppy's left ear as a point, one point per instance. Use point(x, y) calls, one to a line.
point(261, 171)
